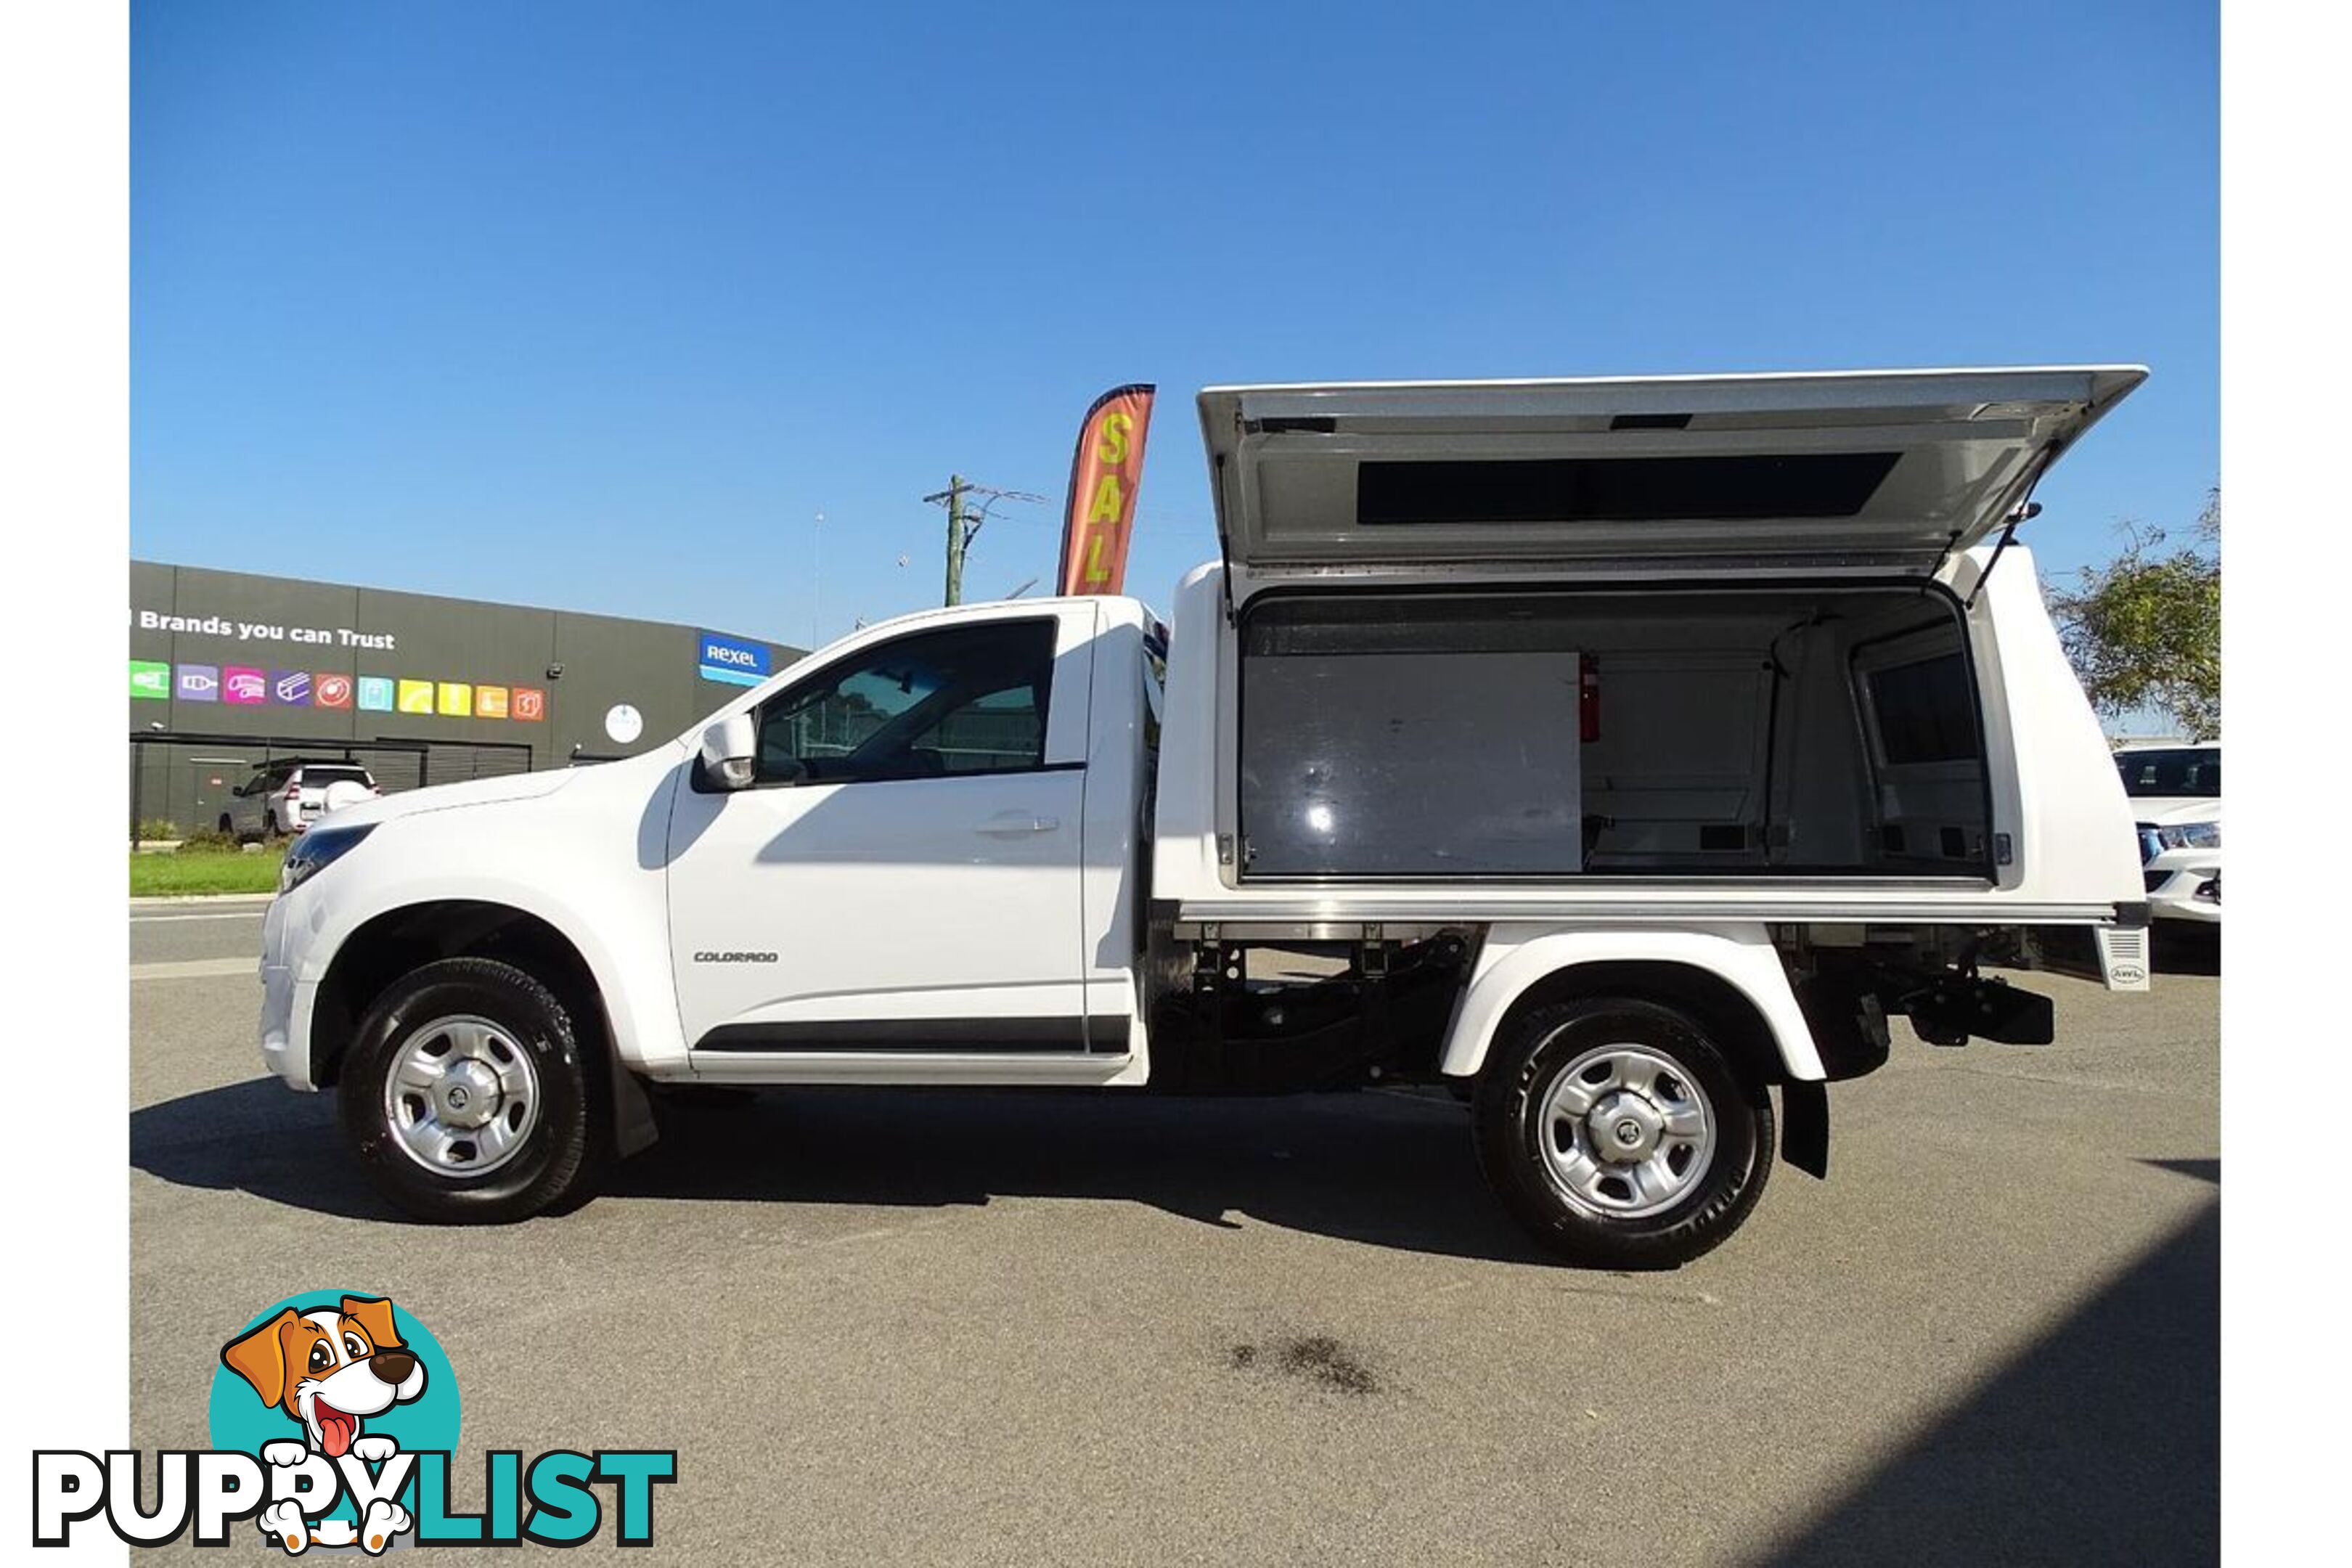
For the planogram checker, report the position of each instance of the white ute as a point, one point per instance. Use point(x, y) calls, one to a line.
point(1618, 753)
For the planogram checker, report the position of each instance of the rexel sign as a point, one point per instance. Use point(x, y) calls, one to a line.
point(733, 660)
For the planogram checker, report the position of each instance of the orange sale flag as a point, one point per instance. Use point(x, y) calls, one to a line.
point(1104, 478)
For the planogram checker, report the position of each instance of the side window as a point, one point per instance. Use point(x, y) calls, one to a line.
point(1924, 709)
point(964, 700)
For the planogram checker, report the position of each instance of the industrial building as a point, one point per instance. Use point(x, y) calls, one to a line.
point(229, 670)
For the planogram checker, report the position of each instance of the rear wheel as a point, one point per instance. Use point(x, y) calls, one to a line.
point(1618, 1134)
point(465, 1096)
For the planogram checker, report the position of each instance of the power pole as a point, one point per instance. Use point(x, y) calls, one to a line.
point(964, 525)
point(958, 541)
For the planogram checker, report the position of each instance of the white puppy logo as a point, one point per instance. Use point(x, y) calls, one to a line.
point(329, 1368)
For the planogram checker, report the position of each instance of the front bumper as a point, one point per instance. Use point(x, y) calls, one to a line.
point(2184, 885)
point(286, 998)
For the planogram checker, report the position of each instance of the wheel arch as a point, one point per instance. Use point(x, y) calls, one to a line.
point(398, 940)
point(1732, 981)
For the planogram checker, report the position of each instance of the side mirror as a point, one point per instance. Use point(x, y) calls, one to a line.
point(730, 752)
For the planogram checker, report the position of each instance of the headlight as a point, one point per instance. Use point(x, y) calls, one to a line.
point(316, 850)
point(2191, 835)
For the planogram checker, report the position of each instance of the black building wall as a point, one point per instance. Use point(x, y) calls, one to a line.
point(200, 623)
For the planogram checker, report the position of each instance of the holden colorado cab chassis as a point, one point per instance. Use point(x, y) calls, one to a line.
point(1620, 754)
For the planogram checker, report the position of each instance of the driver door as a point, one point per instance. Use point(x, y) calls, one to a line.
point(903, 875)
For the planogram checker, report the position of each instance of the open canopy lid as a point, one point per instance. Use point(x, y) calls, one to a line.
point(1887, 471)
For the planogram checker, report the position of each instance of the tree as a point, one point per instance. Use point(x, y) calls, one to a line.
point(2143, 631)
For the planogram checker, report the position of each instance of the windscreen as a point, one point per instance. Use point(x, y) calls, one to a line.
point(2194, 772)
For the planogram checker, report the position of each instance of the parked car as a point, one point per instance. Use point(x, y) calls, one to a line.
point(2175, 797)
point(1628, 750)
point(286, 795)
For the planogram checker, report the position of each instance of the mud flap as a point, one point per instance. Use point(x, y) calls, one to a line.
point(1805, 1127)
point(633, 1111)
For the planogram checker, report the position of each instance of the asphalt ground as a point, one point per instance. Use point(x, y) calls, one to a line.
point(1021, 1328)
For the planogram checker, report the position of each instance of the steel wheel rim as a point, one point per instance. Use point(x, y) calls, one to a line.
point(1625, 1132)
point(462, 1097)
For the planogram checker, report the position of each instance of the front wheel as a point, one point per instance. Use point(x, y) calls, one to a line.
point(465, 1096)
point(1617, 1133)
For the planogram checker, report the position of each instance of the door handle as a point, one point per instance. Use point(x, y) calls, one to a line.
point(1017, 824)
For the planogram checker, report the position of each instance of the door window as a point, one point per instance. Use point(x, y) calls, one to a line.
point(963, 699)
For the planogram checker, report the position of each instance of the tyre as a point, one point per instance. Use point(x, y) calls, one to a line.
point(1617, 1133)
point(465, 1095)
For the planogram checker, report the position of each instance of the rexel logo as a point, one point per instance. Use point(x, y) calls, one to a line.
point(248, 687)
point(732, 660)
point(332, 691)
point(198, 683)
point(151, 679)
point(334, 1419)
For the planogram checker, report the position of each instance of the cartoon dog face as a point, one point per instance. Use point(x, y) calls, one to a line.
point(327, 1368)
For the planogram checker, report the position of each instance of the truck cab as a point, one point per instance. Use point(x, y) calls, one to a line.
point(1617, 754)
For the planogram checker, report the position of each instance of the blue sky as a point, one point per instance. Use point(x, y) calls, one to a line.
point(599, 305)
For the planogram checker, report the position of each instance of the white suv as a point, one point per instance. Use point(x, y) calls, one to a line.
point(286, 797)
point(2176, 798)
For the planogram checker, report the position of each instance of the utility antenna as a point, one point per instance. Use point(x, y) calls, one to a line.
point(816, 595)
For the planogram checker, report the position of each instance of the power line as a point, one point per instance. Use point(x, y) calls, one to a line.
point(964, 524)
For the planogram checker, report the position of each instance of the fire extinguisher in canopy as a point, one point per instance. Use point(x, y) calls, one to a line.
point(1104, 477)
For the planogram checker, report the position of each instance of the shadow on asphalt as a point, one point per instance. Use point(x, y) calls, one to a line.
point(1390, 1170)
point(2102, 1444)
point(2175, 948)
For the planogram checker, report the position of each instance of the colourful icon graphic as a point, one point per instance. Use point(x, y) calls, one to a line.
point(416, 697)
point(290, 686)
point(529, 704)
point(249, 688)
point(490, 702)
point(375, 694)
point(454, 700)
point(198, 683)
point(150, 679)
point(333, 691)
